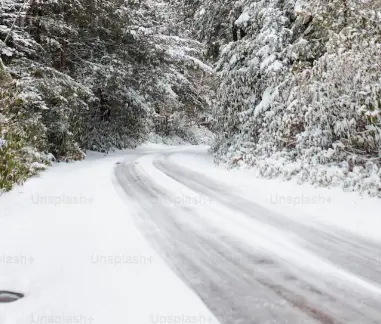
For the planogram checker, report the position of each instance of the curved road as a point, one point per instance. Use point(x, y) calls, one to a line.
point(247, 263)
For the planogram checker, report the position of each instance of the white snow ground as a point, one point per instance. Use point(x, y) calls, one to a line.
point(347, 210)
point(67, 240)
point(85, 262)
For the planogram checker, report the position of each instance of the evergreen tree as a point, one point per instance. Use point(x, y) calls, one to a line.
point(91, 75)
point(299, 87)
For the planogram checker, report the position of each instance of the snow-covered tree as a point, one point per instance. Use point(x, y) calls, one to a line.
point(300, 87)
point(92, 75)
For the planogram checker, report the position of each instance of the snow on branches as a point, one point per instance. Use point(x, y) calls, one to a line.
point(300, 88)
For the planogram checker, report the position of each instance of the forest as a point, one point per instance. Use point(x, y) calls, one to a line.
point(290, 87)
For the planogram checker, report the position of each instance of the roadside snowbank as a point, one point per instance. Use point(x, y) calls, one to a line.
point(190, 135)
point(331, 206)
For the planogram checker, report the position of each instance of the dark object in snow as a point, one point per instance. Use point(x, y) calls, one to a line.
point(235, 33)
point(118, 163)
point(9, 296)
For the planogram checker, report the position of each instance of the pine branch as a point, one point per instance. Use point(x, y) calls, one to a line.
point(14, 22)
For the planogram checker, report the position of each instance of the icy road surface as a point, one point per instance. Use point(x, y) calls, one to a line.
point(253, 262)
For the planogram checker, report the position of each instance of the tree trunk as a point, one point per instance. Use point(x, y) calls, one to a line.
point(5, 78)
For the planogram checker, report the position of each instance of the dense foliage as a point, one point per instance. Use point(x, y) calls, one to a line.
point(299, 89)
point(296, 89)
point(90, 74)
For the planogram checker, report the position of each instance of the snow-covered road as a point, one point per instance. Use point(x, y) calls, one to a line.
point(161, 235)
point(247, 262)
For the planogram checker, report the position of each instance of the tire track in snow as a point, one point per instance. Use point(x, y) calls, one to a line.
point(240, 284)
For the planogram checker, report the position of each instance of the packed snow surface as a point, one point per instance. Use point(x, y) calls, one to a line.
point(162, 235)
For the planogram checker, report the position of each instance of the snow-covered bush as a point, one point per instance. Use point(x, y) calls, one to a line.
point(300, 87)
point(21, 137)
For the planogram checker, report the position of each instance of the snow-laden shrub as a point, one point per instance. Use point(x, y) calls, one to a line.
point(12, 170)
point(21, 143)
point(300, 88)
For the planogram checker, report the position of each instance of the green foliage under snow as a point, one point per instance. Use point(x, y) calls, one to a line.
point(300, 87)
point(88, 75)
point(295, 91)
